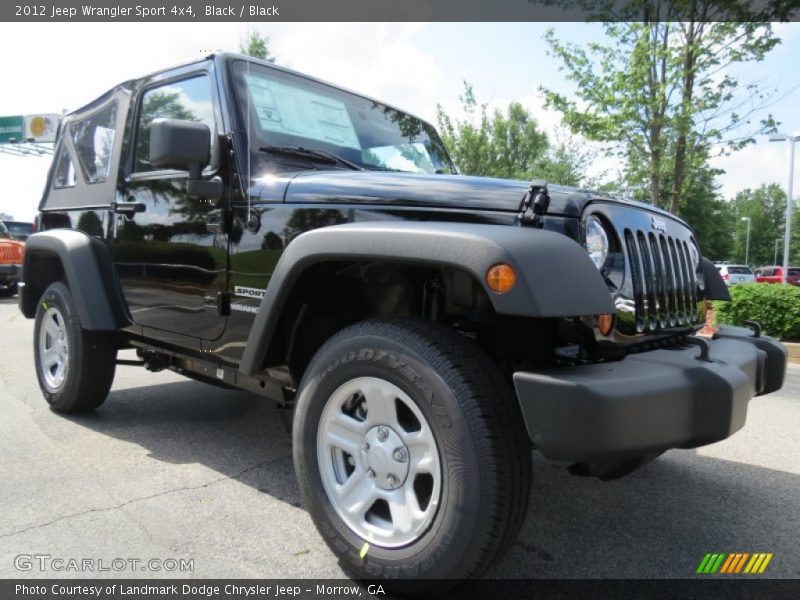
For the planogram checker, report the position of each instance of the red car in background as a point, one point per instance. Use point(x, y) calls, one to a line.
point(11, 253)
point(775, 275)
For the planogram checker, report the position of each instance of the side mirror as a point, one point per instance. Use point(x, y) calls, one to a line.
point(184, 145)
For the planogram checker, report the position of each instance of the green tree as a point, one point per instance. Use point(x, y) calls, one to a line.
point(567, 161)
point(660, 91)
point(709, 215)
point(257, 46)
point(765, 206)
point(507, 144)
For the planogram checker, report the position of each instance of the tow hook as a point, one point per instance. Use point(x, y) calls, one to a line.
point(705, 348)
point(756, 328)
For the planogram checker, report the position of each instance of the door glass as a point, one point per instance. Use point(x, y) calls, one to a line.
point(187, 100)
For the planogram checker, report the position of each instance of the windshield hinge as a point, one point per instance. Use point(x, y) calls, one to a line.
point(534, 205)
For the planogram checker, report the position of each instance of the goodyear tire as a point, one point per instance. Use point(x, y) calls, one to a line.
point(410, 454)
point(74, 366)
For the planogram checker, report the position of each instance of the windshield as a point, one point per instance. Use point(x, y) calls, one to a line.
point(291, 111)
point(739, 271)
point(793, 272)
point(19, 231)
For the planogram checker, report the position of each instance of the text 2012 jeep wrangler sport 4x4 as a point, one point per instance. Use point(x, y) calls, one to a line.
point(252, 227)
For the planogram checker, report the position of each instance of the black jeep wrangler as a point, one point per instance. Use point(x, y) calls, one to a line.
point(252, 227)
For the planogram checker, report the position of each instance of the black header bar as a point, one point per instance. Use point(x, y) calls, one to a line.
point(188, 11)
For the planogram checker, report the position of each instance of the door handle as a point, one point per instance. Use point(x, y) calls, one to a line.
point(128, 208)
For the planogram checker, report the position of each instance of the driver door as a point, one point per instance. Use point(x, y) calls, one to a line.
point(170, 258)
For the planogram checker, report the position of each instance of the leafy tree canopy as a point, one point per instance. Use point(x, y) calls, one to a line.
point(257, 46)
point(508, 144)
point(660, 92)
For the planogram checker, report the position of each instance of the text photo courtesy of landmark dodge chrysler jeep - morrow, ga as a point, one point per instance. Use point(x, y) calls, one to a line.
point(255, 228)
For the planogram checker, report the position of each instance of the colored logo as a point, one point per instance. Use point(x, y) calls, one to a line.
point(38, 126)
point(734, 563)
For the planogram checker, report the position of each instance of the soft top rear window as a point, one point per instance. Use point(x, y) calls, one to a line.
point(93, 138)
point(740, 270)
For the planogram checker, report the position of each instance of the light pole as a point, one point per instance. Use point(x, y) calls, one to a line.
point(775, 259)
point(747, 245)
point(787, 237)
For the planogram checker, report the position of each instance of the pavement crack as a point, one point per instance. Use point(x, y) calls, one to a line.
point(235, 476)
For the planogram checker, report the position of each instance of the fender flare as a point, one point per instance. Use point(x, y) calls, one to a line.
point(89, 273)
point(555, 276)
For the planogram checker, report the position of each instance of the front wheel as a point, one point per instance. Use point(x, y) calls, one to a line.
point(410, 453)
point(75, 366)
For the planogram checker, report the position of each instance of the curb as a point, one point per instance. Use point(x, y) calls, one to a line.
point(794, 351)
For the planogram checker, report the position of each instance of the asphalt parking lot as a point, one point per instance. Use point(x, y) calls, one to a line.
point(171, 468)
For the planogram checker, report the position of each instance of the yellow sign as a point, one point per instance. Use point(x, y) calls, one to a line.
point(41, 128)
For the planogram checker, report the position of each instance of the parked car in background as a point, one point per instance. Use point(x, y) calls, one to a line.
point(774, 274)
point(733, 274)
point(11, 253)
point(19, 230)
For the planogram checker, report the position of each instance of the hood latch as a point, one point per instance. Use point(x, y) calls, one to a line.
point(534, 205)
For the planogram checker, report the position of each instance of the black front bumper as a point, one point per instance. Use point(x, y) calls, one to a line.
point(649, 402)
point(9, 274)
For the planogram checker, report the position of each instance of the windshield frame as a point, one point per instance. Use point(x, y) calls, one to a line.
point(238, 64)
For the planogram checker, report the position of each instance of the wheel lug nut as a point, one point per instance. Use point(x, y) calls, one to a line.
point(365, 447)
point(392, 479)
point(383, 433)
point(400, 455)
point(370, 473)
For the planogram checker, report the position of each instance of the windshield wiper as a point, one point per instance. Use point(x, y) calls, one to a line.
point(318, 155)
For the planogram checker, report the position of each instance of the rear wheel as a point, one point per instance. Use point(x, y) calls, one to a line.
point(410, 453)
point(75, 367)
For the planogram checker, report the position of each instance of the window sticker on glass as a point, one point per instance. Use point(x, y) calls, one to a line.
point(292, 110)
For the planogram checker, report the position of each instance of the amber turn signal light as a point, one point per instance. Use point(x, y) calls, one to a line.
point(501, 278)
point(605, 323)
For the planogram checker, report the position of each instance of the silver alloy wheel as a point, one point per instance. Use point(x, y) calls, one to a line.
point(379, 462)
point(53, 349)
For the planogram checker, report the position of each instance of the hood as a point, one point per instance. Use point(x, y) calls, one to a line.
point(413, 189)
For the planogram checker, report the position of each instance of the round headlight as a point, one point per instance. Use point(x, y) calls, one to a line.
point(596, 243)
point(694, 255)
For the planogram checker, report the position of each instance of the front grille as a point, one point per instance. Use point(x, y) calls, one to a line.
point(664, 283)
point(10, 254)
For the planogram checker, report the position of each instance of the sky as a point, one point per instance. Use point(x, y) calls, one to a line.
point(62, 66)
